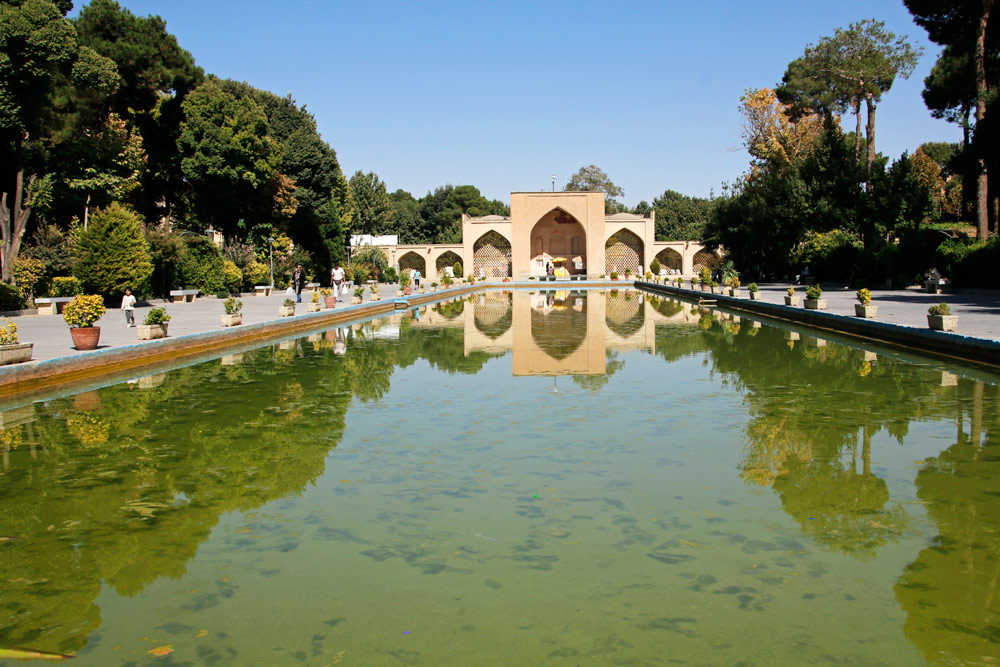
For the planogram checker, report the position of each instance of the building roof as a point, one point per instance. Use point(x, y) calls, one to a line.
point(624, 216)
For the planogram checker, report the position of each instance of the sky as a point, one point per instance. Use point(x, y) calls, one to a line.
point(504, 95)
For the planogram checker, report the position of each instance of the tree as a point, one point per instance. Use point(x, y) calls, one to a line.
point(112, 253)
point(771, 134)
point(593, 179)
point(374, 210)
point(228, 156)
point(38, 50)
point(859, 63)
point(681, 218)
point(963, 25)
point(405, 218)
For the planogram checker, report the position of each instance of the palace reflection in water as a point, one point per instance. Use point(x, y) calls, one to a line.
point(119, 487)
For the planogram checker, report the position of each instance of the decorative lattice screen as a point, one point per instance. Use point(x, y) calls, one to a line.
point(493, 313)
point(705, 258)
point(411, 261)
point(622, 251)
point(623, 312)
point(492, 256)
point(669, 259)
point(447, 259)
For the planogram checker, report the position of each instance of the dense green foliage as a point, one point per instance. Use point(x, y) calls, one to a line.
point(112, 254)
point(201, 265)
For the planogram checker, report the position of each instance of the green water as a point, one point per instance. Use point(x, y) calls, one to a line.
point(431, 489)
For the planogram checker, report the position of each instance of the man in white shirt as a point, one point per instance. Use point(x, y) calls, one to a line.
point(337, 279)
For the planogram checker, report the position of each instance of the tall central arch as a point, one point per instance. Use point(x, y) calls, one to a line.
point(491, 255)
point(623, 250)
point(558, 234)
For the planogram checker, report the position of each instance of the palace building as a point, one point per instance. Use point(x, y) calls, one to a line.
point(544, 227)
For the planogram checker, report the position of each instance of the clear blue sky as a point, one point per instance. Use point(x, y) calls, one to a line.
point(502, 95)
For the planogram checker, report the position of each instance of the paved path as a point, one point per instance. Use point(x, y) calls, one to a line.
point(979, 315)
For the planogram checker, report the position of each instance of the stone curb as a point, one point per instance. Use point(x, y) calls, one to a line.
point(956, 346)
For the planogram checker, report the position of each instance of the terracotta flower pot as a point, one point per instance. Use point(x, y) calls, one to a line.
point(85, 338)
point(330, 301)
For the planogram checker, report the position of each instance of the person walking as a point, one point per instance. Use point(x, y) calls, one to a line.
point(337, 279)
point(128, 305)
point(416, 278)
point(299, 281)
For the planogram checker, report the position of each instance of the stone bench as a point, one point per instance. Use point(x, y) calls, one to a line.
point(52, 305)
point(935, 286)
point(263, 290)
point(181, 295)
point(312, 286)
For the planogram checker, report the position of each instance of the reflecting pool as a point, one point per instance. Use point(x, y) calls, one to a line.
point(557, 478)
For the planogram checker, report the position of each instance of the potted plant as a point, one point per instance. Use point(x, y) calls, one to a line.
point(12, 351)
point(434, 287)
point(628, 274)
point(939, 317)
point(734, 288)
point(791, 299)
point(329, 300)
point(80, 314)
point(814, 298)
point(155, 325)
point(614, 275)
point(288, 309)
point(447, 281)
point(314, 306)
point(358, 293)
point(233, 315)
point(754, 291)
point(864, 307)
point(404, 283)
point(713, 286)
point(375, 294)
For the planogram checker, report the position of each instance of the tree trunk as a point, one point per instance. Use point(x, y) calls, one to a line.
point(982, 183)
point(870, 136)
point(857, 130)
point(11, 235)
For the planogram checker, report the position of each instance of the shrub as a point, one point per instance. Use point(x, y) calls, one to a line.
point(157, 316)
point(201, 265)
point(84, 310)
point(362, 271)
point(8, 334)
point(940, 309)
point(971, 264)
point(704, 274)
point(655, 267)
point(326, 291)
point(10, 297)
point(29, 275)
point(66, 286)
point(753, 287)
point(814, 292)
point(390, 275)
point(404, 280)
point(232, 277)
point(358, 292)
point(232, 306)
point(864, 296)
point(112, 253)
point(456, 268)
point(371, 255)
point(614, 275)
point(166, 250)
point(289, 303)
point(257, 273)
point(791, 291)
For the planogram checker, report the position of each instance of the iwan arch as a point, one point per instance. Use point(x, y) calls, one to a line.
point(546, 225)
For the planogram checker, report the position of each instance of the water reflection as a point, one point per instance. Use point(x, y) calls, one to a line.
point(121, 486)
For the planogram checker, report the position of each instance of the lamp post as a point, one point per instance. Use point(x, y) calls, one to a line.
point(270, 254)
point(553, 182)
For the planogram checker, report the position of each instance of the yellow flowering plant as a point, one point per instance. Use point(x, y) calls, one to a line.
point(8, 334)
point(83, 310)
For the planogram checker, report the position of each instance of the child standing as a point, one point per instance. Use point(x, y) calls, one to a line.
point(128, 305)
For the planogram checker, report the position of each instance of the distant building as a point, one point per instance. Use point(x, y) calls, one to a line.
point(544, 227)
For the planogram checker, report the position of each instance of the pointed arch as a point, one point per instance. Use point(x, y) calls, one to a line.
point(412, 261)
point(446, 259)
point(623, 250)
point(670, 259)
point(491, 255)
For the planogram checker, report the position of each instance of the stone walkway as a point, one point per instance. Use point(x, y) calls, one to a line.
point(979, 315)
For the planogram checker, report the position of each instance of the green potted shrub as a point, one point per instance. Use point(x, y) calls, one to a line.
point(155, 325)
point(404, 284)
point(713, 286)
point(358, 293)
point(814, 298)
point(864, 307)
point(314, 306)
point(329, 298)
point(375, 294)
point(434, 287)
point(754, 291)
point(80, 314)
point(447, 281)
point(287, 309)
point(939, 317)
point(614, 275)
point(655, 267)
point(233, 315)
point(790, 298)
point(12, 351)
